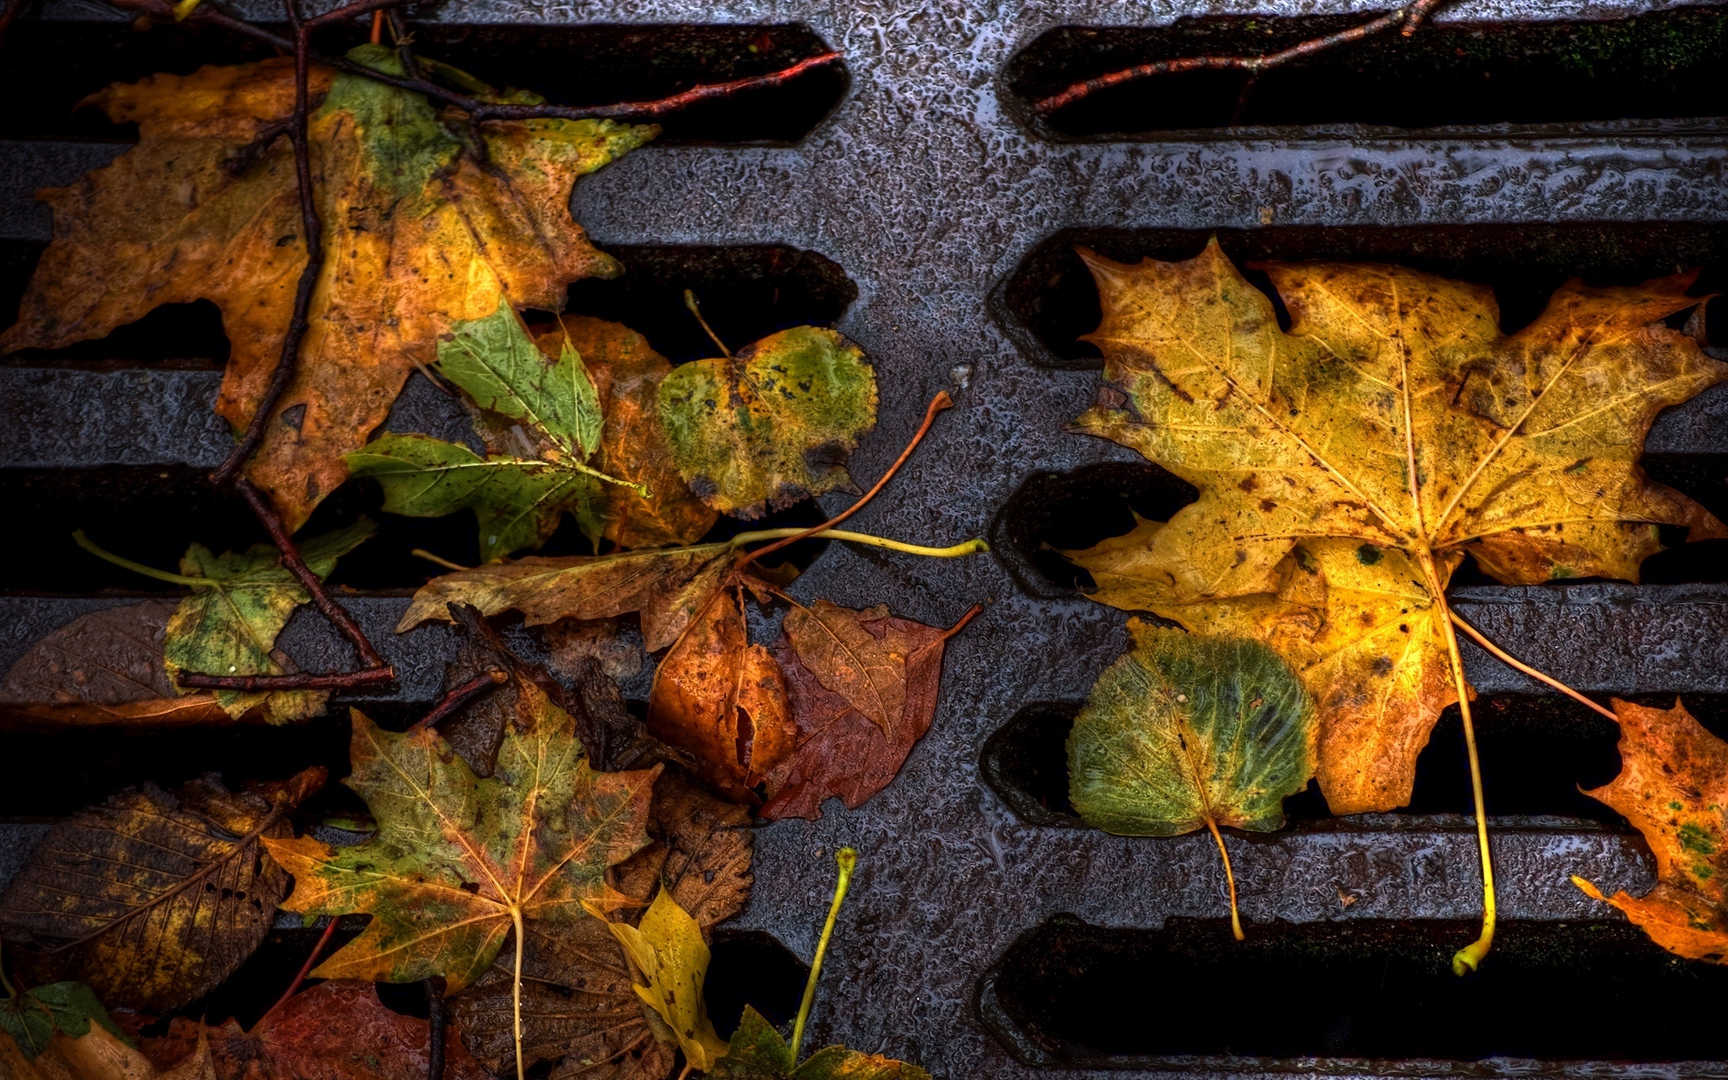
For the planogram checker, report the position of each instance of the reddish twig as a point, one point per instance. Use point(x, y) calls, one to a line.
point(305, 969)
point(964, 619)
point(1409, 17)
point(267, 684)
point(938, 404)
point(459, 695)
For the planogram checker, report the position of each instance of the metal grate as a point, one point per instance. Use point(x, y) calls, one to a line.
point(990, 937)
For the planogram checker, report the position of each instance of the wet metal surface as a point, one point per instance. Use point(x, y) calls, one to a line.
point(927, 192)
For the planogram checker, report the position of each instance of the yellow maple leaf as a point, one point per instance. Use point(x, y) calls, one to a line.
point(667, 951)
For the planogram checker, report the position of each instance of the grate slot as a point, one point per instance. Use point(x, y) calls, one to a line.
point(56, 64)
point(1539, 74)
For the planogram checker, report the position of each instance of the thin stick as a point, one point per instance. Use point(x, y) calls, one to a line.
point(436, 1019)
point(1408, 18)
point(313, 228)
point(124, 563)
point(937, 404)
point(341, 680)
point(459, 695)
point(847, 859)
point(438, 560)
point(794, 533)
point(305, 969)
point(1518, 665)
point(292, 562)
point(1229, 879)
point(696, 310)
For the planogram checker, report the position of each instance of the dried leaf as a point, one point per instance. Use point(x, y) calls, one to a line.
point(333, 1031)
point(104, 668)
point(758, 1052)
point(700, 853)
point(846, 671)
point(668, 954)
point(633, 448)
point(572, 644)
point(518, 498)
point(722, 699)
point(771, 426)
point(667, 587)
point(1185, 732)
point(1673, 786)
point(457, 859)
point(420, 235)
point(1348, 465)
point(229, 625)
point(154, 899)
point(98, 1054)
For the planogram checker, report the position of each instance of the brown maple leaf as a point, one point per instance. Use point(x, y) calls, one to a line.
point(420, 235)
point(333, 1031)
point(1673, 786)
point(1348, 465)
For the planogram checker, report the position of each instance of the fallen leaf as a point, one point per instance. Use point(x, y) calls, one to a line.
point(722, 699)
point(332, 1031)
point(772, 425)
point(548, 411)
point(1185, 732)
point(670, 958)
point(183, 894)
point(104, 668)
point(1673, 787)
point(98, 1054)
point(758, 1052)
point(579, 1007)
point(420, 236)
point(33, 1017)
point(863, 687)
point(628, 372)
point(666, 586)
point(456, 860)
point(1347, 465)
point(229, 624)
point(572, 643)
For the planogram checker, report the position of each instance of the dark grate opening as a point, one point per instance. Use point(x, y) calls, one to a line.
point(55, 65)
point(1074, 994)
point(1657, 65)
point(1049, 300)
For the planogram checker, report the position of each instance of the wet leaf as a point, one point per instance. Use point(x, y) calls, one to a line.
point(579, 1005)
point(456, 859)
point(771, 426)
point(33, 1017)
point(670, 959)
point(182, 896)
point(228, 626)
point(546, 407)
point(863, 687)
point(420, 236)
point(104, 668)
point(1347, 466)
point(633, 448)
point(758, 1052)
point(1673, 786)
point(333, 1031)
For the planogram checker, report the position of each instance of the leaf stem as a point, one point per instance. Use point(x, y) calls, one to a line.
point(305, 969)
point(847, 858)
point(696, 310)
point(1229, 879)
point(438, 560)
point(967, 547)
point(139, 568)
point(1469, 958)
point(1518, 665)
point(516, 989)
point(5, 983)
point(459, 695)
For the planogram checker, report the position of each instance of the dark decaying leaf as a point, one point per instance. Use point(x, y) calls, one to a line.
point(578, 1008)
point(104, 668)
point(863, 688)
point(151, 898)
point(333, 1031)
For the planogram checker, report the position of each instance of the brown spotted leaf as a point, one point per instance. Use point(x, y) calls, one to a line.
point(151, 898)
point(419, 233)
point(1673, 786)
point(1346, 466)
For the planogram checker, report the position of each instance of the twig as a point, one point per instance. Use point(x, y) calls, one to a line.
point(1518, 665)
point(937, 404)
point(341, 680)
point(1408, 17)
point(305, 969)
point(436, 1019)
point(459, 695)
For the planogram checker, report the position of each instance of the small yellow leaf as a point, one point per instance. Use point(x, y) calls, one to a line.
point(667, 951)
